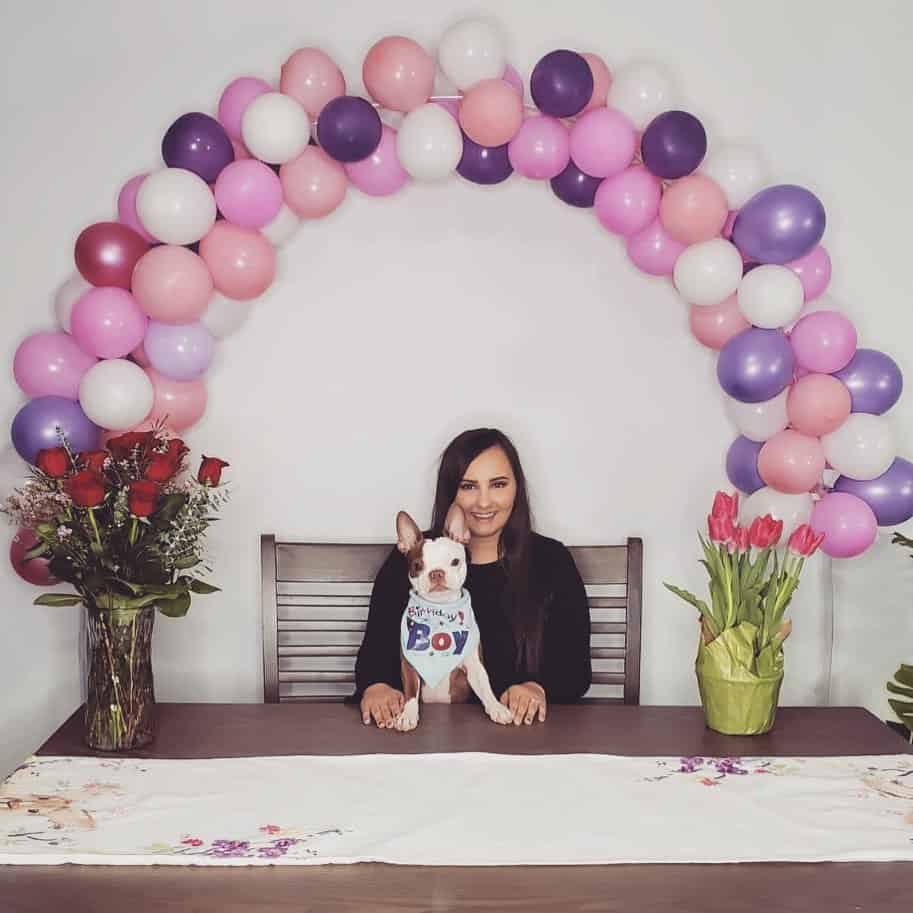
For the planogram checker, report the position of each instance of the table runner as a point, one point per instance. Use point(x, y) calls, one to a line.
point(457, 809)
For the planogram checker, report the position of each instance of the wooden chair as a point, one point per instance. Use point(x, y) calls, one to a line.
point(315, 604)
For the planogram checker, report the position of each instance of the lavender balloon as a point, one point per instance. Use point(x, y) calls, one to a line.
point(779, 224)
point(38, 422)
point(484, 164)
point(349, 129)
point(180, 351)
point(742, 464)
point(561, 84)
point(874, 381)
point(674, 144)
point(198, 143)
point(890, 495)
point(575, 187)
point(755, 365)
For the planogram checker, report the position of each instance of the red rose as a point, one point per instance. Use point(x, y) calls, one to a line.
point(53, 462)
point(86, 488)
point(93, 459)
point(142, 497)
point(162, 466)
point(123, 446)
point(211, 470)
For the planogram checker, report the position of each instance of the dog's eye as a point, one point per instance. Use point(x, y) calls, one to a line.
point(455, 562)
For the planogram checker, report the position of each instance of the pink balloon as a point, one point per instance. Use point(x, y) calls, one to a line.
point(491, 112)
point(313, 184)
point(107, 322)
point(653, 250)
point(848, 523)
point(50, 364)
point(241, 151)
point(172, 284)
point(312, 79)
point(126, 207)
point(248, 193)
point(33, 570)
point(380, 174)
point(814, 271)
point(140, 357)
point(602, 82)
point(451, 106)
point(714, 325)
point(818, 404)
point(791, 462)
point(237, 95)
point(823, 342)
point(241, 261)
point(181, 403)
point(541, 148)
point(603, 142)
point(398, 73)
point(694, 209)
point(730, 222)
point(628, 202)
point(513, 79)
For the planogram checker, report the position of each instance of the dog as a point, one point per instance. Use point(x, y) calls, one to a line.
point(440, 646)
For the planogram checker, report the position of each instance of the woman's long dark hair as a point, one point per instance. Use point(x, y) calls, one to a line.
point(524, 610)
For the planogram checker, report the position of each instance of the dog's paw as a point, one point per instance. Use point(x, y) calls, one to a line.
point(408, 718)
point(499, 714)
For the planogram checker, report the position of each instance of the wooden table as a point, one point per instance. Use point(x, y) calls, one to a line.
point(237, 730)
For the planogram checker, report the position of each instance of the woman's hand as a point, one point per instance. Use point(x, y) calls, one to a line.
point(381, 703)
point(526, 702)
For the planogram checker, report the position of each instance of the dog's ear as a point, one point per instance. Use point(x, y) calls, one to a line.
point(455, 524)
point(408, 535)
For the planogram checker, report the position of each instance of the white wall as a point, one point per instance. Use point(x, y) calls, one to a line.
point(506, 306)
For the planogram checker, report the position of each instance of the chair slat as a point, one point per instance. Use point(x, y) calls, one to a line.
point(325, 676)
point(319, 587)
point(327, 613)
point(318, 650)
point(298, 639)
point(316, 663)
point(314, 691)
point(323, 624)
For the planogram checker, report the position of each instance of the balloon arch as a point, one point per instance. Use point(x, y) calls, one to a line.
point(194, 244)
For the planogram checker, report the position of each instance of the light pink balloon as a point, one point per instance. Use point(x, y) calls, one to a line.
point(823, 342)
point(241, 261)
point(603, 142)
point(848, 523)
point(653, 250)
point(140, 357)
point(50, 364)
point(491, 112)
point(602, 82)
point(398, 73)
point(312, 79)
point(694, 209)
point(241, 151)
point(107, 322)
point(628, 202)
point(713, 325)
point(380, 174)
point(818, 404)
point(248, 193)
point(541, 148)
point(180, 402)
point(451, 106)
point(313, 184)
point(814, 271)
point(237, 95)
point(172, 284)
point(791, 462)
point(126, 207)
point(513, 79)
point(730, 222)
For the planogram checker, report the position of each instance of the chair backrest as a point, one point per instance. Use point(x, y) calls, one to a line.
point(315, 600)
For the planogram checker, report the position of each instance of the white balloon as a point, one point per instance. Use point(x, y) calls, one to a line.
point(176, 206)
point(470, 51)
point(641, 90)
point(771, 296)
point(116, 394)
point(708, 272)
point(793, 510)
point(275, 128)
point(863, 447)
point(224, 315)
point(759, 421)
point(282, 228)
point(739, 170)
point(67, 295)
point(429, 144)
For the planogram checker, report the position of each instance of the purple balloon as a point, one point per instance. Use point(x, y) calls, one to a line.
point(742, 464)
point(198, 143)
point(349, 129)
point(575, 187)
point(890, 495)
point(562, 83)
point(874, 381)
point(484, 164)
point(755, 365)
point(779, 224)
point(181, 351)
point(36, 426)
point(673, 144)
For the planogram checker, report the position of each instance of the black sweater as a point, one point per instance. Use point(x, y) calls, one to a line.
point(565, 663)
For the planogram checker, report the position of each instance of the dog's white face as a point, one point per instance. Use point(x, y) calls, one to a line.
point(437, 567)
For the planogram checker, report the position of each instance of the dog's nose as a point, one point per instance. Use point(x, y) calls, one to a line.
point(436, 576)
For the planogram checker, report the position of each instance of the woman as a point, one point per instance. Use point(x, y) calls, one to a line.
point(527, 594)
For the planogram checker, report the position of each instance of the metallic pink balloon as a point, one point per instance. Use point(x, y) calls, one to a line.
point(106, 253)
point(34, 570)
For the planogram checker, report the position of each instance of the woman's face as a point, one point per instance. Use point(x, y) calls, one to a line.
point(486, 493)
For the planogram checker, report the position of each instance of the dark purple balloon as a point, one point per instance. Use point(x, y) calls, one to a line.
point(562, 83)
point(673, 144)
point(349, 129)
point(874, 381)
point(36, 423)
point(755, 365)
point(890, 495)
point(484, 164)
point(198, 143)
point(742, 464)
point(779, 224)
point(575, 187)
